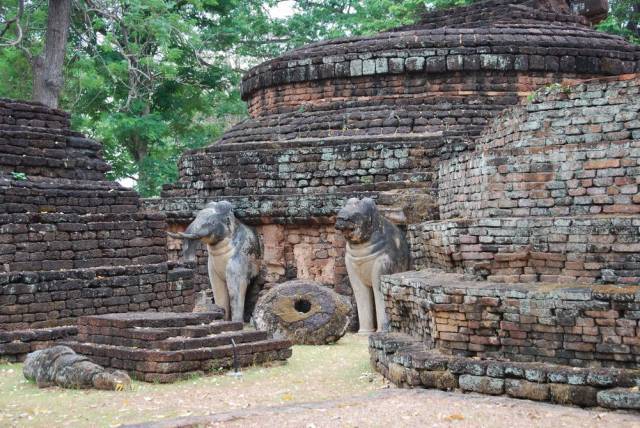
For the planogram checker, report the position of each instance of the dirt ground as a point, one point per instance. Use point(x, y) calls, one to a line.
point(411, 408)
point(320, 386)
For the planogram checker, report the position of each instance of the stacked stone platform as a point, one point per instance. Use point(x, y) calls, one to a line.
point(567, 344)
point(407, 362)
point(580, 326)
point(165, 347)
point(71, 242)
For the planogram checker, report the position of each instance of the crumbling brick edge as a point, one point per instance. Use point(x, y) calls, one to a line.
point(406, 362)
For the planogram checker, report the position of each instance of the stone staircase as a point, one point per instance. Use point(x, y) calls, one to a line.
point(168, 346)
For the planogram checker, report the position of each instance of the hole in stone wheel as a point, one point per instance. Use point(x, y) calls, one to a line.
point(302, 306)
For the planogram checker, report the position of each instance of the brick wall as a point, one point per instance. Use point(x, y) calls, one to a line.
point(507, 249)
point(517, 11)
point(54, 241)
point(420, 98)
point(540, 46)
point(549, 193)
point(590, 326)
point(52, 298)
point(38, 195)
point(33, 115)
point(302, 168)
point(575, 151)
point(71, 242)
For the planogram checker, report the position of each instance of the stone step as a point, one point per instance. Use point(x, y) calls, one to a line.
point(243, 360)
point(150, 319)
point(160, 361)
point(158, 333)
point(213, 328)
point(167, 346)
point(175, 341)
point(407, 361)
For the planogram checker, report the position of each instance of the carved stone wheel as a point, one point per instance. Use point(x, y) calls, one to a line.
point(305, 312)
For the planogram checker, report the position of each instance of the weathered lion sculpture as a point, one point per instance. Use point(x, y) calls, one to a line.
point(61, 366)
point(234, 253)
point(375, 247)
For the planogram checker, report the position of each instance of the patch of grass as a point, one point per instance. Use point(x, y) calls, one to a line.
point(313, 373)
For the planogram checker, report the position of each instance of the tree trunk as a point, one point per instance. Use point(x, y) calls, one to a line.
point(633, 24)
point(48, 67)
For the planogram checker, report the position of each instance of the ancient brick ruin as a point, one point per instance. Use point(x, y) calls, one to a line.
point(550, 192)
point(502, 137)
point(549, 203)
point(377, 116)
point(83, 264)
point(71, 242)
point(538, 218)
point(165, 347)
point(491, 134)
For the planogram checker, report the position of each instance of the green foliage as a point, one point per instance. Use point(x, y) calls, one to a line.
point(152, 78)
point(20, 176)
point(319, 20)
point(623, 19)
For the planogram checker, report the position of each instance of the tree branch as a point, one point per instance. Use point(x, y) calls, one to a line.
point(15, 21)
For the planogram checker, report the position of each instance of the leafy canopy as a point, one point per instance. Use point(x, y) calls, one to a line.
point(152, 78)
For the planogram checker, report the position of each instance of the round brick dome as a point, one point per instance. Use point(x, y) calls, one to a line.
point(449, 74)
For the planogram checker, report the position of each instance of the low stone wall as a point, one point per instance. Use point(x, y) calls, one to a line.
point(54, 241)
point(407, 363)
point(16, 344)
point(562, 249)
point(32, 300)
point(17, 113)
point(42, 195)
point(341, 165)
point(594, 326)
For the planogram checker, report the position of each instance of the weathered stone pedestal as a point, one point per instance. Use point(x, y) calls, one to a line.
point(168, 346)
point(407, 362)
point(566, 344)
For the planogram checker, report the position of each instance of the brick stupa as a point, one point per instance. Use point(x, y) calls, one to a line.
point(380, 116)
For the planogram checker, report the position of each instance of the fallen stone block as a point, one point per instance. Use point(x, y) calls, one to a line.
point(443, 380)
point(583, 396)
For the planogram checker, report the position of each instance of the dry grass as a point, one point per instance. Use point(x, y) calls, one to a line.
point(313, 373)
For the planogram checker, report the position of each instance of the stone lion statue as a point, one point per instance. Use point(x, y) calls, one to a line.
point(234, 254)
point(375, 247)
